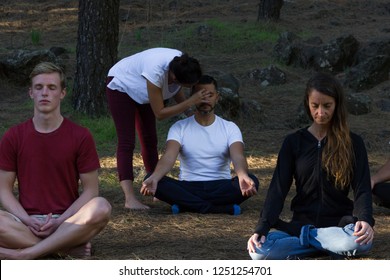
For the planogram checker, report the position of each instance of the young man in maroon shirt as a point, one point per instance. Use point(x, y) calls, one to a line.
point(48, 156)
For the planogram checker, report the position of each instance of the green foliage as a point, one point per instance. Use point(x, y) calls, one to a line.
point(213, 36)
point(138, 35)
point(102, 128)
point(226, 37)
point(249, 32)
point(103, 131)
point(162, 131)
point(35, 37)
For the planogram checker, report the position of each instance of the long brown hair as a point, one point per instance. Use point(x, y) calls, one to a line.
point(337, 155)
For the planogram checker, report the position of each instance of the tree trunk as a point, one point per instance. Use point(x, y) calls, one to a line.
point(96, 51)
point(269, 9)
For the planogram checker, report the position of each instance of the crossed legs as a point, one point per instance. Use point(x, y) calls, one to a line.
point(74, 235)
point(217, 196)
point(335, 241)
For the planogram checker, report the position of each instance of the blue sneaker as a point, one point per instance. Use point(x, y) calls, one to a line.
point(175, 209)
point(236, 210)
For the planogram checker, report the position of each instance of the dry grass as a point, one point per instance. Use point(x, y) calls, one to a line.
point(156, 234)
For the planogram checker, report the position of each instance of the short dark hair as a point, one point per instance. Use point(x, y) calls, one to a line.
point(205, 80)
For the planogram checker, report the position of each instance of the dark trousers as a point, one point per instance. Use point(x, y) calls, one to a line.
point(128, 117)
point(381, 194)
point(217, 196)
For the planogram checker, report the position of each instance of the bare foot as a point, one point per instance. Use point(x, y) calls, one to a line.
point(136, 205)
point(82, 251)
point(8, 254)
point(131, 201)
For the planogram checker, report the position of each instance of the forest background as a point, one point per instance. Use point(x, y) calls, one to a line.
point(227, 38)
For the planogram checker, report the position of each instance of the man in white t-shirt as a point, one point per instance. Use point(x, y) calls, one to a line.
point(205, 145)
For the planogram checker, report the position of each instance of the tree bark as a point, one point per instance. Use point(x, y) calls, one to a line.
point(96, 52)
point(269, 9)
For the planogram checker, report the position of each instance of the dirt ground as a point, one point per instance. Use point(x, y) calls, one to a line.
point(157, 234)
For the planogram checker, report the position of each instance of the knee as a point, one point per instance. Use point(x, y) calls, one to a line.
point(269, 249)
point(351, 248)
point(341, 241)
point(4, 222)
point(269, 252)
point(257, 256)
point(101, 210)
point(349, 243)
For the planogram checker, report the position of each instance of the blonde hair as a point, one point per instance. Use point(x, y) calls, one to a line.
point(47, 68)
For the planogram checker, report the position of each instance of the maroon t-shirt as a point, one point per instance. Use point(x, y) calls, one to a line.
point(48, 165)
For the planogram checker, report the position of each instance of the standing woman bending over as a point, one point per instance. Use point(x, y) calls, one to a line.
point(136, 89)
point(326, 161)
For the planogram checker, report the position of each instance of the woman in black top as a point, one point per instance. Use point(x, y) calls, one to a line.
point(326, 161)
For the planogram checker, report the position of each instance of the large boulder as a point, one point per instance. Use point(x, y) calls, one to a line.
point(333, 57)
point(371, 65)
point(292, 50)
point(337, 55)
point(17, 67)
point(269, 76)
point(371, 49)
point(368, 73)
point(358, 104)
point(365, 66)
point(228, 105)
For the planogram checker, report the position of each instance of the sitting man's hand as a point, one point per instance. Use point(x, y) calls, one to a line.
point(149, 186)
point(49, 226)
point(247, 186)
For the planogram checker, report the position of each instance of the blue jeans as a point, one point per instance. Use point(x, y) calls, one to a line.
point(335, 241)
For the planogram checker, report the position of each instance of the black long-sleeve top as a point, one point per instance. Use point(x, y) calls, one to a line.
point(317, 201)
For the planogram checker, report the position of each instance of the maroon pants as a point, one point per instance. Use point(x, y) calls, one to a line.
point(128, 117)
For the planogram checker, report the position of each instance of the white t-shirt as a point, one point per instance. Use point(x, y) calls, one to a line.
point(130, 74)
point(204, 153)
